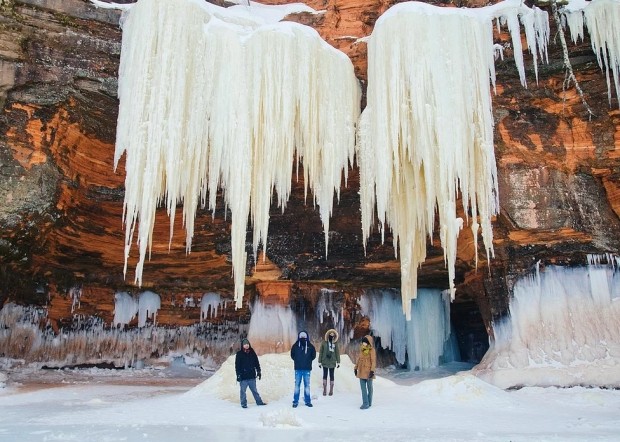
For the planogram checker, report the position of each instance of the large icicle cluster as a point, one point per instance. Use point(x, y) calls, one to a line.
point(563, 329)
point(602, 18)
point(214, 98)
point(426, 135)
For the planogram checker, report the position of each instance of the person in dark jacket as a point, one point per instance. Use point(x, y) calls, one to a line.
point(329, 359)
point(247, 368)
point(302, 353)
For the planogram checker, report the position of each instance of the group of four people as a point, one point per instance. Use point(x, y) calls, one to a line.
point(247, 367)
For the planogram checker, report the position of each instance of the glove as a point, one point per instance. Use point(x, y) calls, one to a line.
point(371, 375)
point(355, 371)
point(320, 366)
point(338, 366)
point(258, 375)
point(238, 378)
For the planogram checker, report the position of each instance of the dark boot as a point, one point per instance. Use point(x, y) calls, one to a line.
point(324, 387)
point(331, 388)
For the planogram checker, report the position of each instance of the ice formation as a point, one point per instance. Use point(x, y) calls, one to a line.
point(90, 341)
point(425, 341)
point(426, 135)
point(148, 305)
point(209, 305)
point(75, 293)
point(563, 329)
point(328, 308)
point(273, 328)
point(602, 18)
point(125, 308)
point(223, 98)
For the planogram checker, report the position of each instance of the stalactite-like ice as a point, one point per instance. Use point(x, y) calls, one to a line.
point(216, 98)
point(423, 342)
point(563, 329)
point(209, 305)
point(327, 308)
point(602, 19)
point(148, 305)
point(426, 135)
point(125, 308)
point(75, 293)
point(273, 328)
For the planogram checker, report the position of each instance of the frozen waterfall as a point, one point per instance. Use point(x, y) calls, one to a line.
point(563, 329)
point(423, 342)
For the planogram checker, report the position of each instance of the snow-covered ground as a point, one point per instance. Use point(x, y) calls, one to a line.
point(188, 404)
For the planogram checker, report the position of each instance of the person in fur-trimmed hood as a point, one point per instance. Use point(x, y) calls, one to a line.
point(302, 354)
point(365, 369)
point(329, 359)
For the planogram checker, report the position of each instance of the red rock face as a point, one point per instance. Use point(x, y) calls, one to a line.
point(62, 203)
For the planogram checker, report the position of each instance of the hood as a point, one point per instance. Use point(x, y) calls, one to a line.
point(371, 341)
point(330, 331)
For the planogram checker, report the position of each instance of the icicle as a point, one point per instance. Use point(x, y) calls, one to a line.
point(602, 18)
point(427, 132)
point(75, 293)
point(125, 308)
point(209, 305)
point(273, 328)
point(148, 305)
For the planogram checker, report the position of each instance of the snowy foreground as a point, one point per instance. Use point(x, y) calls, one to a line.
point(176, 403)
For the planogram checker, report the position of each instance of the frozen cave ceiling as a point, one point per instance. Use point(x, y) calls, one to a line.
point(61, 203)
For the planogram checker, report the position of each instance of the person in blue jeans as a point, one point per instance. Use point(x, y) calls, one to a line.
point(247, 369)
point(302, 354)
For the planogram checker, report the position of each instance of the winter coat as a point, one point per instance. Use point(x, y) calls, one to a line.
point(247, 365)
point(329, 355)
point(367, 363)
point(303, 353)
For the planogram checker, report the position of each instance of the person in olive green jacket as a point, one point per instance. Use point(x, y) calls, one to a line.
point(329, 359)
point(365, 369)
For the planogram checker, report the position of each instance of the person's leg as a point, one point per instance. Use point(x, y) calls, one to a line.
point(363, 384)
point(369, 392)
point(297, 384)
point(243, 385)
point(307, 398)
point(325, 369)
point(331, 381)
point(257, 398)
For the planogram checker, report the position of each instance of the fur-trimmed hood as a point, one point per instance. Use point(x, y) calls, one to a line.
point(332, 330)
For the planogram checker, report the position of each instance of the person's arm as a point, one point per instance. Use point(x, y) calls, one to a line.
point(337, 351)
point(321, 353)
point(238, 367)
point(373, 363)
point(257, 365)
